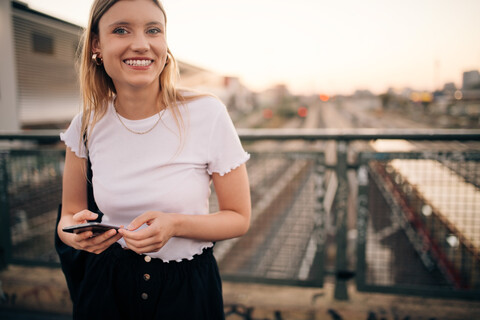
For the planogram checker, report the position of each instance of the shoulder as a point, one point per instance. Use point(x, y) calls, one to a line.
point(205, 101)
point(76, 123)
point(91, 120)
point(204, 106)
point(77, 119)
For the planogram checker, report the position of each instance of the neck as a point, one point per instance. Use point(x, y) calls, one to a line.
point(137, 105)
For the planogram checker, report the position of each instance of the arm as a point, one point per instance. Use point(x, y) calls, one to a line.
point(232, 220)
point(74, 204)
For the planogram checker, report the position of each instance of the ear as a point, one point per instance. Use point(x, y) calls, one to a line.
point(95, 44)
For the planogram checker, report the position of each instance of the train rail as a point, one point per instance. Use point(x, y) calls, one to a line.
point(416, 238)
point(289, 230)
point(281, 241)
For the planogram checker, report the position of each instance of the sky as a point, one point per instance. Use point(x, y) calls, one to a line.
point(318, 46)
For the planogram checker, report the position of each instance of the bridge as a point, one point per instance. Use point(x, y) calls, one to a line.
point(337, 212)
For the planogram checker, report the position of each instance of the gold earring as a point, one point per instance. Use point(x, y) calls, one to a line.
point(98, 61)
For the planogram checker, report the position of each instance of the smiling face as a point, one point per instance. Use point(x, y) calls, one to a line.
point(132, 43)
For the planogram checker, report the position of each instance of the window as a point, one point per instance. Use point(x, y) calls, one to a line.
point(42, 43)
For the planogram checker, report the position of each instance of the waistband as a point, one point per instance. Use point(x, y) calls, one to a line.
point(118, 252)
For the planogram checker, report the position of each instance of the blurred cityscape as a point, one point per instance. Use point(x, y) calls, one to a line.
point(396, 216)
point(45, 51)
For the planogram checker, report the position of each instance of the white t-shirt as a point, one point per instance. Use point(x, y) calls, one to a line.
point(161, 170)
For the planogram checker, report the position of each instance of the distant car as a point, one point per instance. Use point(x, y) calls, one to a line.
point(302, 112)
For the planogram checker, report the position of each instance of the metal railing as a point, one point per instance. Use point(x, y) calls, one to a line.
point(419, 223)
point(354, 213)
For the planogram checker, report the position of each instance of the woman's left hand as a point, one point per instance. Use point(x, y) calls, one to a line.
point(160, 228)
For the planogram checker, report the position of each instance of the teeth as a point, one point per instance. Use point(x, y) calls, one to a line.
point(138, 63)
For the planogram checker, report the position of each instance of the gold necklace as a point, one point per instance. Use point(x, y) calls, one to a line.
point(140, 132)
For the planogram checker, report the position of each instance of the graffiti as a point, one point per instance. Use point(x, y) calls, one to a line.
point(7, 299)
point(239, 310)
point(247, 313)
point(35, 293)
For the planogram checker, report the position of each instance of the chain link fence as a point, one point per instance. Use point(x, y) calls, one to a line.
point(33, 185)
point(417, 213)
point(419, 223)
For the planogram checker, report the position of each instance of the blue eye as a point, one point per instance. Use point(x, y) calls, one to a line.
point(154, 31)
point(120, 30)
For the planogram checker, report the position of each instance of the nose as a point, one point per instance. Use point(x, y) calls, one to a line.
point(140, 42)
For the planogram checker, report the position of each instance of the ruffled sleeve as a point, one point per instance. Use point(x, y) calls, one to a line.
point(71, 137)
point(225, 151)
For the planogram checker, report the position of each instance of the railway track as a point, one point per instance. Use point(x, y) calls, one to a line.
point(432, 213)
point(282, 242)
point(279, 244)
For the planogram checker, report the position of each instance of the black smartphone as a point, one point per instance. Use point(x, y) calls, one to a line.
point(96, 227)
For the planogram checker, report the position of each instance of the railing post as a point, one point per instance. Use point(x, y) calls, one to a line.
point(341, 208)
point(5, 239)
point(320, 236)
point(362, 223)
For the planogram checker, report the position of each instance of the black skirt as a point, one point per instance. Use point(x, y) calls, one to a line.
point(121, 284)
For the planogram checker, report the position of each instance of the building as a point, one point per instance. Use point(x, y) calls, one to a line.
point(45, 49)
point(39, 84)
point(471, 80)
point(237, 97)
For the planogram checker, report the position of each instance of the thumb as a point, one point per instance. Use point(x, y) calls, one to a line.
point(84, 216)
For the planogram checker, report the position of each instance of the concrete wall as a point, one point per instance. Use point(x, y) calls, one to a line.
point(9, 119)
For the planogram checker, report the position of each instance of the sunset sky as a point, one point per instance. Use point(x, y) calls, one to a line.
point(318, 46)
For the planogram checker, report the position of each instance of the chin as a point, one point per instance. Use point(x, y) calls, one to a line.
point(139, 84)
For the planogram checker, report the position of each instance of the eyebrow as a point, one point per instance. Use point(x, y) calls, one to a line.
point(151, 23)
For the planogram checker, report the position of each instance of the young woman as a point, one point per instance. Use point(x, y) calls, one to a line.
point(154, 151)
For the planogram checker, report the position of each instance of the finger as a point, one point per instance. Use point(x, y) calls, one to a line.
point(104, 245)
point(104, 236)
point(149, 244)
point(137, 235)
point(88, 239)
point(139, 244)
point(101, 242)
point(140, 220)
point(85, 215)
point(83, 241)
point(83, 236)
point(153, 247)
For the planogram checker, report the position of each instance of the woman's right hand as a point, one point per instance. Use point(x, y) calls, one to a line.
point(86, 240)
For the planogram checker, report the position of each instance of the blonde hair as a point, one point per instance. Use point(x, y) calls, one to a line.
point(97, 87)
